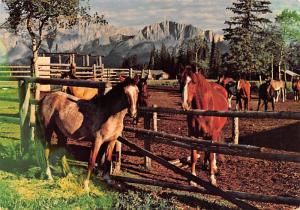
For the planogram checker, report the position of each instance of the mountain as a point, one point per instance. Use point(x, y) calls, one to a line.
point(114, 43)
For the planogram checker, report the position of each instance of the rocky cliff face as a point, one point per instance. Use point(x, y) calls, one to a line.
point(113, 43)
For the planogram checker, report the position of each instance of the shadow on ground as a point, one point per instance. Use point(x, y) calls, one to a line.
point(282, 138)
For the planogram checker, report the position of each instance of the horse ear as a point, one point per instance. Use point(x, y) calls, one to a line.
point(122, 78)
point(194, 78)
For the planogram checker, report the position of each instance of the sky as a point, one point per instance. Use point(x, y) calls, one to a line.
point(206, 14)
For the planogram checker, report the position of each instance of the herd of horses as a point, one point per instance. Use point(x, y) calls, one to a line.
point(94, 115)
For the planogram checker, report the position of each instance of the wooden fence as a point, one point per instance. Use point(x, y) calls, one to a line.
point(55, 70)
point(26, 120)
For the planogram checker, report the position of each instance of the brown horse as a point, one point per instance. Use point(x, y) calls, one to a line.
point(79, 92)
point(98, 120)
point(266, 93)
point(296, 88)
point(243, 93)
point(279, 86)
point(198, 93)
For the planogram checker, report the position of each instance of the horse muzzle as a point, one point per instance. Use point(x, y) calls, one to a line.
point(133, 113)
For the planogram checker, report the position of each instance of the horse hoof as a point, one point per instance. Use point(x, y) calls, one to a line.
point(117, 169)
point(213, 180)
point(86, 185)
point(107, 179)
point(193, 184)
point(70, 175)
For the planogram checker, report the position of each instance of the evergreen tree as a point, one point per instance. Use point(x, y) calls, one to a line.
point(151, 63)
point(244, 34)
point(215, 61)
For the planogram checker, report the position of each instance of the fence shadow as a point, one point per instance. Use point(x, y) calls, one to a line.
point(282, 138)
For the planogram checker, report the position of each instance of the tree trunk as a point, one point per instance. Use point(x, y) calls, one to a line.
point(272, 67)
point(280, 62)
point(34, 65)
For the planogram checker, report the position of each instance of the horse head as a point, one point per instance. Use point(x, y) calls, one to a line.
point(131, 90)
point(189, 84)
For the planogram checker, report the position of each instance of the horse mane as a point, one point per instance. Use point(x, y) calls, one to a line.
point(202, 82)
point(114, 93)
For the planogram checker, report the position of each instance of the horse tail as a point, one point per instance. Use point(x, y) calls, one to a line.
point(40, 136)
point(40, 130)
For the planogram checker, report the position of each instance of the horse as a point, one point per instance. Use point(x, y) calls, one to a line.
point(143, 94)
point(296, 88)
point(99, 120)
point(266, 93)
point(279, 86)
point(243, 92)
point(229, 84)
point(198, 93)
point(79, 92)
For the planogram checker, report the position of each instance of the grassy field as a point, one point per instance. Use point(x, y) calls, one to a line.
point(23, 184)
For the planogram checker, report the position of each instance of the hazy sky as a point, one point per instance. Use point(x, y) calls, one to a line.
point(207, 14)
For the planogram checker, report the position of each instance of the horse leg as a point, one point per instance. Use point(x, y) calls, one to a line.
point(107, 163)
point(246, 104)
point(47, 153)
point(258, 105)
point(213, 161)
point(273, 104)
point(277, 96)
point(266, 104)
point(62, 142)
point(117, 168)
point(94, 152)
point(229, 101)
point(48, 135)
point(194, 157)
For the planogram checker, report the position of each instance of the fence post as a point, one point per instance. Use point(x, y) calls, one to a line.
point(147, 125)
point(94, 71)
point(24, 98)
point(147, 146)
point(87, 57)
point(130, 73)
point(235, 130)
point(59, 59)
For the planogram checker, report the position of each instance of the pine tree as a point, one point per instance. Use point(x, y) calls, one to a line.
point(244, 33)
point(151, 63)
point(215, 61)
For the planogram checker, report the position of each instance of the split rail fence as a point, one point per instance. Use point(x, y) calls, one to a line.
point(28, 100)
point(55, 70)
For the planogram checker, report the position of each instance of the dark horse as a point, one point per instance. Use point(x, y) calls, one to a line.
point(296, 88)
point(240, 89)
point(198, 93)
point(98, 120)
point(266, 93)
point(230, 85)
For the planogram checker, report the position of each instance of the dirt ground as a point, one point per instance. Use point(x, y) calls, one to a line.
point(235, 173)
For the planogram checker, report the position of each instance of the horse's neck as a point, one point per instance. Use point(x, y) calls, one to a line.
point(202, 93)
point(111, 105)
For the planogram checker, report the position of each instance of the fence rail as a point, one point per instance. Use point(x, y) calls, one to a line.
point(248, 114)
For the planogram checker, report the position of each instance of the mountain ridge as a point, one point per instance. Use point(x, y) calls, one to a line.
point(114, 43)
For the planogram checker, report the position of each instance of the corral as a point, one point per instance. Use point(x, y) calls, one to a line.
point(236, 173)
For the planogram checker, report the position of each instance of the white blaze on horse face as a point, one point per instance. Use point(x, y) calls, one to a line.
point(238, 86)
point(132, 92)
point(185, 94)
